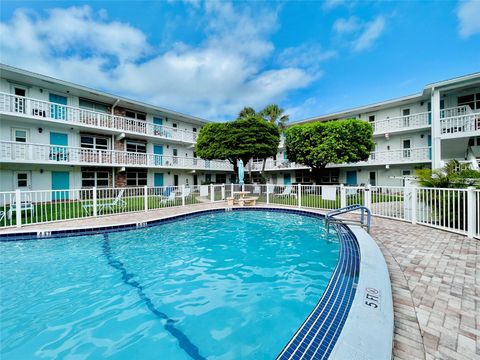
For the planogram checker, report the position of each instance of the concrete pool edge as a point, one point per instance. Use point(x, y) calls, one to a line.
point(368, 331)
point(360, 334)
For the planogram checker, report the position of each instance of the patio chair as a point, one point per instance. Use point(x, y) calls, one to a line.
point(286, 192)
point(168, 195)
point(117, 202)
point(256, 190)
point(26, 205)
point(186, 192)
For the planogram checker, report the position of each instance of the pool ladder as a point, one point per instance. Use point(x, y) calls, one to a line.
point(329, 217)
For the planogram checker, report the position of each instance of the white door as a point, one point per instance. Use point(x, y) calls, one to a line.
point(19, 149)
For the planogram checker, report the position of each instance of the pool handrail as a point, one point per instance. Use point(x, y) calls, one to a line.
point(329, 216)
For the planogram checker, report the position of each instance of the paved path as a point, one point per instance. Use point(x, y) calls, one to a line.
point(435, 279)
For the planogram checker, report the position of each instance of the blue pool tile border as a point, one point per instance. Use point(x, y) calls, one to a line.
point(316, 337)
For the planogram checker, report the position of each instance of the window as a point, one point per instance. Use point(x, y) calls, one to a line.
point(20, 92)
point(175, 180)
point(303, 177)
point(194, 129)
point(472, 100)
point(373, 178)
point(23, 179)
point(371, 118)
point(135, 115)
point(20, 135)
point(174, 125)
point(19, 103)
point(221, 178)
point(98, 178)
point(136, 146)
point(136, 178)
point(94, 142)
point(175, 152)
point(94, 106)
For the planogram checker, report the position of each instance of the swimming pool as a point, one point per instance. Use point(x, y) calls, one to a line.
point(223, 285)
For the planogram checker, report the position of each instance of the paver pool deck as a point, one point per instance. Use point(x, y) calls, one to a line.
point(435, 278)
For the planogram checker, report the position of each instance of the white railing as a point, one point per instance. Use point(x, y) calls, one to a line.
point(402, 123)
point(40, 153)
point(456, 210)
point(455, 111)
point(422, 154)
point(463, 125)
point(68, 114)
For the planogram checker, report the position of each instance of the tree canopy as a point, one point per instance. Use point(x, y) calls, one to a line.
point(317, 144)
point(241, 139)
point(275, 115)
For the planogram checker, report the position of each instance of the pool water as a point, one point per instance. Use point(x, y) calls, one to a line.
point(226, 285)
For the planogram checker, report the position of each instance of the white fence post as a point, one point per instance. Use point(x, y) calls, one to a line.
point(299, 195)
point(268, 194)
point(212, 194)
point(413, 205)
point(368, 196)
point(471, 212)
point(94, 197)
point(243, 187)
point(183, 195)
point(145, 198)
point(223, 191)
point(18, 207)
point(343, 196)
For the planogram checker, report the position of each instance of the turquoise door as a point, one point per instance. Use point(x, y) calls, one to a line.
point(351, 178)
point(58, 111)
point(158, 152)
point(58, 153)
point(158, 180)
point(158, 122)
point(287, 179)
point(60, 181)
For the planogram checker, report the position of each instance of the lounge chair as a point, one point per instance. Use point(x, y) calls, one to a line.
point(167, 196)
point(286, 192)
point(26, 205)
point(101, 206)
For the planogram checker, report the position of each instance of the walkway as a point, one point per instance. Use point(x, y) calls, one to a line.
point(435, 282)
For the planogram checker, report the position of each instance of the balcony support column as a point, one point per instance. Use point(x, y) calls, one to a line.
point(436, 130)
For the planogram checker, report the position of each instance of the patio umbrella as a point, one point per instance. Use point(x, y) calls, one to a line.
point(241, 172)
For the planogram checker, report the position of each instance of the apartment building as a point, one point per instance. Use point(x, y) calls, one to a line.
point(423, 130)
point(58, 135)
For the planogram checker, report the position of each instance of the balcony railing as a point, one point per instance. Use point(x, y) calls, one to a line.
point(55, 154)
point(422, 154)
point(402, 123)
point(460, 125)
point(63, 113)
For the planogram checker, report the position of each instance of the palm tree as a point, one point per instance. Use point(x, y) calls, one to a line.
point(275, 114)
point(247, 111)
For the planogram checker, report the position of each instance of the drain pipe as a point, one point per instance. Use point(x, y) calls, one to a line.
point(114, 106)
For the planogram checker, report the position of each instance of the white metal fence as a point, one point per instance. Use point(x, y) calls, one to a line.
point(456, 210)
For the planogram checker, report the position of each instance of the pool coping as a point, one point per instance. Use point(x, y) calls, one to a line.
point(352, 341)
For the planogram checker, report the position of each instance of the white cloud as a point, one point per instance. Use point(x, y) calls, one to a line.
point(357, 34)
point(214, 78)
point(349, 25)
point(370, 34)
point(468, 14)
point(306, 55)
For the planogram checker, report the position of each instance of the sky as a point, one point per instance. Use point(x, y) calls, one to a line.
point(211, 58)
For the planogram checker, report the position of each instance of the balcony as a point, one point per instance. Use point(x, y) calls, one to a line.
point(459, 121)
point(44, 110)
point(15, 152)
point(402, 156)
point(402, 123)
